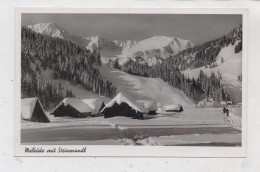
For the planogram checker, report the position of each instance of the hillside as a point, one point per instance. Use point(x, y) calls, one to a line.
point(210, 70)
point(207, 54)
point(78, 90)
point(142, 88)
point(229, 70)
point(223, 57)
point(48, 62)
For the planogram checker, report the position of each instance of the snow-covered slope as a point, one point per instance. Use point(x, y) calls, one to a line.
point(157, 46)
point(142, 88)
point(54, 30)
point(230, 69)
point(78, 90)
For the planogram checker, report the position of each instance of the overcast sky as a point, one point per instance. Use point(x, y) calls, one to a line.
point(197, 28)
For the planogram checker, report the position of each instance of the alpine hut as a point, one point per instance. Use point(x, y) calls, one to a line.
point(173, 108)
point(97, 104)
point(32, 110)
point(72, 107)
point(123, 105)
point(150, 105)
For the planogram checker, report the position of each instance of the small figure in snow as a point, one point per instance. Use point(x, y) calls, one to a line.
point(224, 110)
point(227, 112)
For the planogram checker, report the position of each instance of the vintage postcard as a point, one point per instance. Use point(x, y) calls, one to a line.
point(131, 82)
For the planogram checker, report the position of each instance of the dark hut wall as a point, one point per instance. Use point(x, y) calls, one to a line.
point(69, 111)
point(152, 112)
point(38, 114)
point(121, 110)
point(175, 110)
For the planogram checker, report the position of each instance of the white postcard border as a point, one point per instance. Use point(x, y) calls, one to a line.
point(140, 151)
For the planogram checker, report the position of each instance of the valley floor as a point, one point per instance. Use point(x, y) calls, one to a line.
point(194, 126)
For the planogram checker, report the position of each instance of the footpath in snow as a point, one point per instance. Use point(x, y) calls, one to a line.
point(234, 119)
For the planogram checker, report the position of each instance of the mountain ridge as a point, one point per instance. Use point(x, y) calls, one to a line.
point(54, 30)
point(156, 46)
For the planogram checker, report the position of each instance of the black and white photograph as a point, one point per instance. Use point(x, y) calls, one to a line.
point(135, 79)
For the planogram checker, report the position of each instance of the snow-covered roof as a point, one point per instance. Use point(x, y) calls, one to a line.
point(27, 107)
point(172, 107)
point(150, 105)
point(75, 103)
point(120, 98)
point(229, 102)
point(94, 103)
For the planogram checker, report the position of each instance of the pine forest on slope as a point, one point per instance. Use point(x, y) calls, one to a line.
point(68, 61)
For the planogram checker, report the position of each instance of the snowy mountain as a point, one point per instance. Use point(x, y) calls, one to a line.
point(54, 30)
point(158, 47)
point(149, 50)
point(50, 29)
